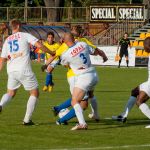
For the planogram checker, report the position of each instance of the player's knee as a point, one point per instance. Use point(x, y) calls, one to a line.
point(50, 69)
point(11, 93)
point(138, 103)
point(35, 93)
point(73, 102)
point(135, 92)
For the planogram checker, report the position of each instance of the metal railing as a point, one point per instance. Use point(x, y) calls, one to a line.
point(45, 14)
point(112, 35)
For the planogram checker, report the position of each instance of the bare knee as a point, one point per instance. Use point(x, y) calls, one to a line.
point(35, 93)
point(142, 98)
point(50, 69)
point(11, 93)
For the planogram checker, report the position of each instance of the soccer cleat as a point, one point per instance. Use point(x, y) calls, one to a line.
point(1, 108)
point(50, 88)
point(30, 123)
point(59, 123)
point(45, 88)
point(80, 127)
point(119, 118)
point(55, 112)
point(92, 116)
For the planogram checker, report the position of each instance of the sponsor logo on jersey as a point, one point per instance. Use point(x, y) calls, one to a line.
point(14, 37)
point(77, 50)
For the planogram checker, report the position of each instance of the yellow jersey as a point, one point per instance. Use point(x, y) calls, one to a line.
point(53, 47)
point(86, 41)
point(64, 47)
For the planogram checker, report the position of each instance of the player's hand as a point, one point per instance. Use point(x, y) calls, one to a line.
point(105, 58)
point(43, 68)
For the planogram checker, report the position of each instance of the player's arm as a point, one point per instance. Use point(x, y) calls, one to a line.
point(100, 53)
point(43, 67)
point(2, 62)
point(34, 41)
point(44, 48)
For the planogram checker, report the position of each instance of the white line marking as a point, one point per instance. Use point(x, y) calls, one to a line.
point(101, 148)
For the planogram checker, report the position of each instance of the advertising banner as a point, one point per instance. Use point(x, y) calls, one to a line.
point(110, 51)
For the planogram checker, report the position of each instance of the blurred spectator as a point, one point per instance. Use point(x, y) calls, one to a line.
point(4, 31)
point(86, 31)
point(1, 44)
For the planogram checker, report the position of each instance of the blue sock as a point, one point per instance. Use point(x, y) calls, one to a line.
point(71, 114)
point(64, 105)
point(48, 79)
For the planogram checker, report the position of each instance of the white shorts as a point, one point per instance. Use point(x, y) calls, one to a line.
point(145, 87)
point(71, 82)
point(86, 81)
point(27, 79)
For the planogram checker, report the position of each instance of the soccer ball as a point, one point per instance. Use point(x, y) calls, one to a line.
point(63, 112)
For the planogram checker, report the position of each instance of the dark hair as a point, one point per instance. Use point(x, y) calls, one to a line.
point(50, 33)
point(125, 33)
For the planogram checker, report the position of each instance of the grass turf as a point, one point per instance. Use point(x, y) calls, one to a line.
point(112, 93)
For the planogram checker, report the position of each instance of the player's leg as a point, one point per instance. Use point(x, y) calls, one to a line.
point(144, 95)
point(48, 81)
point(121, 55)
point(12, 85)
point(6, 98)
point(94, 106)
point(57, 109)
point(30, 84)
point(83, 84)
point(67, 103)
point(71, 114)
point(77, 96)
point(130, 103)
point(127, 58)
point(32, 101)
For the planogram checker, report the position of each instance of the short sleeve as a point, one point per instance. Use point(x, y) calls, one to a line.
point(31, 39)
point(89, 43)
point(5, 49)
point(91, 49)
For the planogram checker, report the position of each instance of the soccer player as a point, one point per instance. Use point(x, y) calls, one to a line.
point(124, 43)
point(140, 94)
point(52, 45)
point(77, 57)
point(16, 52)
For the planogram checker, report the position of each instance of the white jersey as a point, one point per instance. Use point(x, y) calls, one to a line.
point(149, 69)
point(17, 51)
point(78, 58)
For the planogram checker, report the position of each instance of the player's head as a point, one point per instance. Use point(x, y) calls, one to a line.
point(15, 25)
point(69, 38)
point(50, 37)
point(125, 35)
point(147, 44)
point(76, 31)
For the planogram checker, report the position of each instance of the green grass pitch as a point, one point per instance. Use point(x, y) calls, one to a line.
point(112, 92)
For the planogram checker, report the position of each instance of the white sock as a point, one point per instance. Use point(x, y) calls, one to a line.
point(129, 105)
point(94, 106)
point(30, 108)
point(79, 113)
point(5, 99)
point(145, 110)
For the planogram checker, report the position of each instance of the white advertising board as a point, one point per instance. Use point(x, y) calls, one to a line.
point(110, 51)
